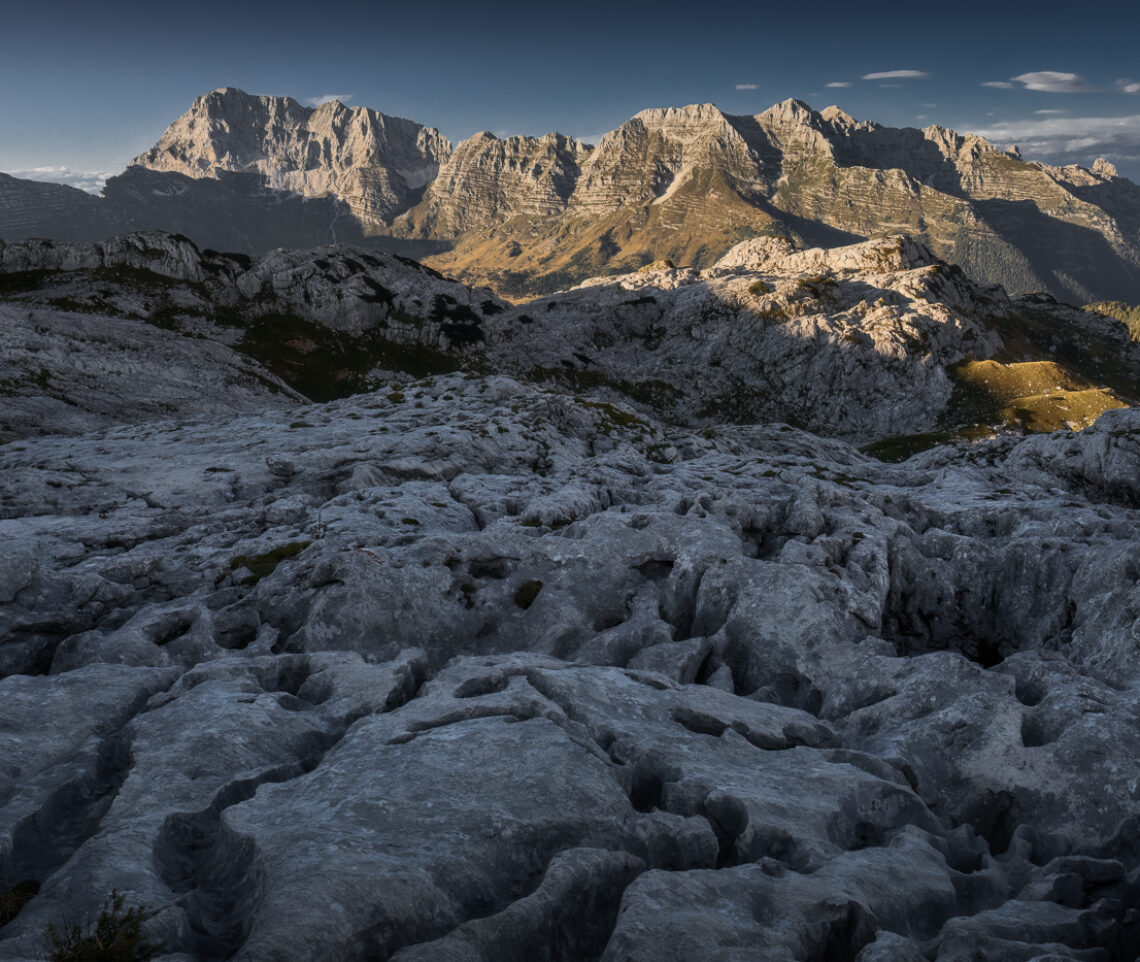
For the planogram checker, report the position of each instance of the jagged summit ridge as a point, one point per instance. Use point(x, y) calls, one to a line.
point(378, 164)
point(529, 215)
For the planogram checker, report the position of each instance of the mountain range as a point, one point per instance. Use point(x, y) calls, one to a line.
point(528, 215)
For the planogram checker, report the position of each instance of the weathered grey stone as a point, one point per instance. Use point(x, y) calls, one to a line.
point(768, 698)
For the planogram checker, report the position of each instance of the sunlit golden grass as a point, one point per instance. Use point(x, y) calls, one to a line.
point(1035, 395)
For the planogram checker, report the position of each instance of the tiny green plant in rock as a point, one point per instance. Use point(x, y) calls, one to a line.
point(262, 565)
point(115, 936)
point(760, 288)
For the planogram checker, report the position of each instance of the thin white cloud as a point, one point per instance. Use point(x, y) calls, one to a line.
point(896, 75)
point(746, 86)
point(1131, 88)
point(1047, 113)
point(840, 83)
point(1054, 82)
point(1060, 140)
point(91, 181)
point(328, 99)
point(998, 84)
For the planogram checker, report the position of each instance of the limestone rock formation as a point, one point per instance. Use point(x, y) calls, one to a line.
point(475, 670)
point(689, 183)
point(533, 215)
point(378, 165)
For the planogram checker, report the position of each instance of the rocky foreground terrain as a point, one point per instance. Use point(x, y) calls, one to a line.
point(530, 215)
point(474, 670)
point(321, 637)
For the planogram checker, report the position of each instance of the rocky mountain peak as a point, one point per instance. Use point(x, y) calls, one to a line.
point(790, 111)
point(693, 114)
point(839, 117)
point(378, 164)
point(1102, 168)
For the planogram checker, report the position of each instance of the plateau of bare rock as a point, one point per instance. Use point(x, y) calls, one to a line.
point(878, 342)
point(475, 669)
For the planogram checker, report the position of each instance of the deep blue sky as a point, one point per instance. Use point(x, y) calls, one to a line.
point(87, 87)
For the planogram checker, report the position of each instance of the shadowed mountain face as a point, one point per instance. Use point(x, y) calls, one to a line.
point(531, 215)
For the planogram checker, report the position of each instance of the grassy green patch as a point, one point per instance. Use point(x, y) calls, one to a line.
point(1032, 333)
point(263, 565)
point(1033, 395)
point(324, 364)
point(759, 288)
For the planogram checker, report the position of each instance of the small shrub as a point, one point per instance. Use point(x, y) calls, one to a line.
point(116, 936)
point(263, 565)
point(759, 288)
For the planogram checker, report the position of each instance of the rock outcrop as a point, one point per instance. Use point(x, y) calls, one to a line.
point(474, 670)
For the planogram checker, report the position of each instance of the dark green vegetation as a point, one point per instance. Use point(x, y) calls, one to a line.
point(22, 282)
point(658, 395)
point(324, 364)
point(320, 363)
point(13, 899)
point(900, 448)
point(263, 565)
point(115, 936)
point(526, 594)
point(1125, 313)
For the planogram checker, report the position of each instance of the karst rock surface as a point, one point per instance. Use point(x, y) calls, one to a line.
point(474, 670)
